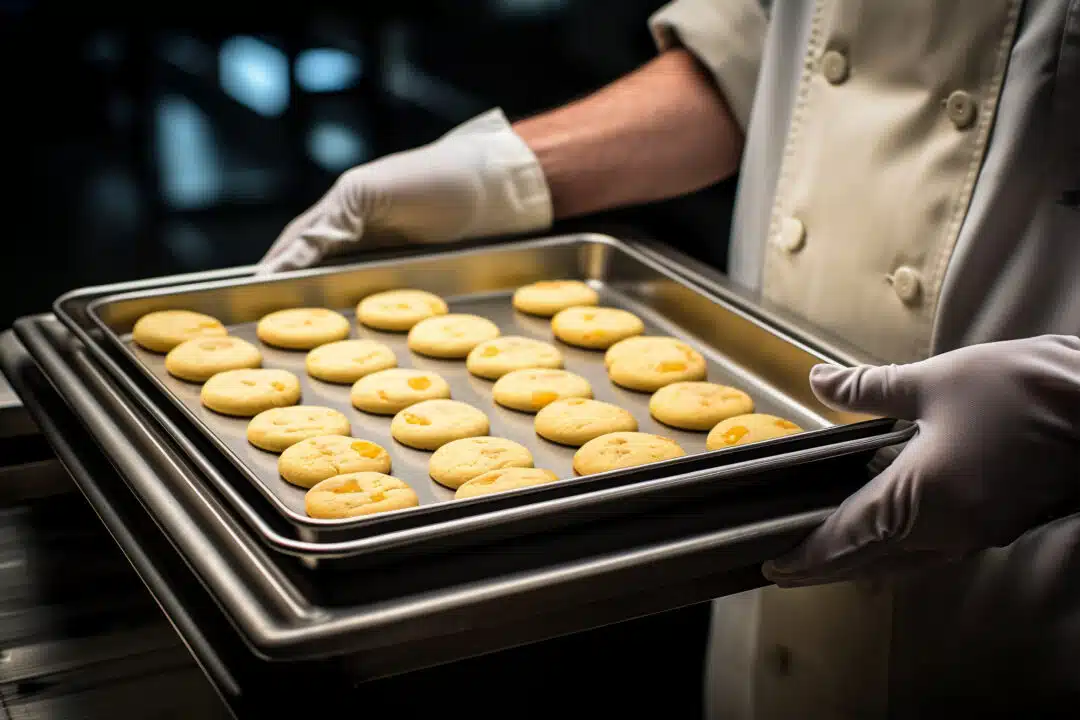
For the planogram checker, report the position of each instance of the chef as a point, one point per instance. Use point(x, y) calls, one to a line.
point(909, 179)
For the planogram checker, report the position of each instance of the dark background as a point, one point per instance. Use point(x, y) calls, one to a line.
point(151, 139)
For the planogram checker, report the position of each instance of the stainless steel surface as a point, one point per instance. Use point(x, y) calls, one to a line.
point(740, 351)
point(14, 420)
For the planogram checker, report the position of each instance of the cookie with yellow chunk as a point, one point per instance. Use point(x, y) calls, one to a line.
point(302, 328)
point(199, 359)
point(459, 461)
point(531, 390)
point(163, 330)
point(647, 364)
point(595, 328)
point(698, 405)
point(358, 494)
point(549, 297)
point(389, 391)
point(313, 460)
point(451, 336)
point(346, 361)
point(399, 310)
point(622, 450)
point(495, 358)
point(279, 428)
point(433, 423)
point(247, 392)
point(746, 429)
point(576, 421)
point(496, 481)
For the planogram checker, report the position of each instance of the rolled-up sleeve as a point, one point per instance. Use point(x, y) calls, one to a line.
point(726, 36)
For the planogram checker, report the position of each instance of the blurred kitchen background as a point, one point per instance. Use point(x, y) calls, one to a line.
point(164, 138)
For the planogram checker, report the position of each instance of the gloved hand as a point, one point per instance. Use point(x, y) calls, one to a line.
point(997, 453)
point(478, 180)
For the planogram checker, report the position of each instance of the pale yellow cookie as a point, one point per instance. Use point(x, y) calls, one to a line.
point(302, 328)
point(431, 424)
point(595, 328)
point(399, 310)
point(278, 428)
point(163, 330)
point(531, 390)
point(495, 358)
point(199, 359)
point(450, 336)
point(651, 363)
point(576, 421)
point(496, 481)
point(357, 494)
point(698, 405)
point(549, 297)
point(622, 450)
point(346, 361)
point(316, 459)
point(389, 391)
point(244, 393)
point(459, 461)
point(746, 429)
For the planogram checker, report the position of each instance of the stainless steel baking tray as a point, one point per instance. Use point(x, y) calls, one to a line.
point(741, 349)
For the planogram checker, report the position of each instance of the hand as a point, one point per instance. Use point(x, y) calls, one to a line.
point(479, 180)
point(997, 453)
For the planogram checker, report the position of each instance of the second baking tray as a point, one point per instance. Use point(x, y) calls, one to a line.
point(741, 351)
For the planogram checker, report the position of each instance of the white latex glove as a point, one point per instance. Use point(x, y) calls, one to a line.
point(478, 180)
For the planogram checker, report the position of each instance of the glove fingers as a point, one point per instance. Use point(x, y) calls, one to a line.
point(887, 565)
point(870, 524)
point(298, 255)
point(888, 390)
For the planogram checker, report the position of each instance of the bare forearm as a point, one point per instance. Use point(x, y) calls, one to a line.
point(664, 130)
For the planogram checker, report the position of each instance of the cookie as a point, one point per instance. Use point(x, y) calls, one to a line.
point(496, 481)
point(399, 310)
point(357, 494)
point(750, 428)
point(549, 297)
point(278, 428)
point(389, 391)
point(576, 421)
point(346, 361)
point(450, 336)
point(495, 358)
point(313, 460)
point(595, 328)
point(532, 390)
point(622, 450)
point(647, 364)
point(163, 330)
point(302, 328)
point(698, 405)
point(244, 393)
point(199, 359)
point(457, 462)
point(431, 424)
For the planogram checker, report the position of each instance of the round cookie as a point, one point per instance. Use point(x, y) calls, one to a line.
point(389, 391)
point(457, 462)
point(750, 428)
point(450, 336)
point(399, 310)
point(278, 428)
point(698, 405)
point(576, 421)
point(199, 359)
point(595, 328)
point(495, 358)
point(431, 424)
point(313, 460)
point(163, 330)
point(244, 393)
point(496, 481)
point(346, 361)
point(549, 297)
point(302, 328)
point(533, 389)
point(622, 450)
point(357, 494)
point(651, 363)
